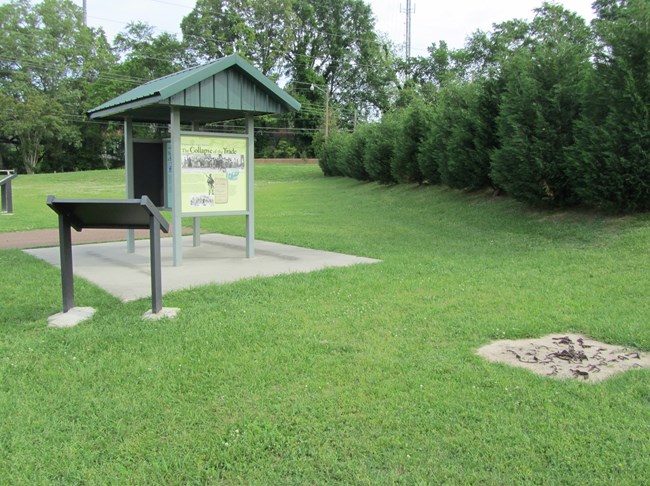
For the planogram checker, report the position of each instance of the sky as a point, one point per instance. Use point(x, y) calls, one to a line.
point(431, 20)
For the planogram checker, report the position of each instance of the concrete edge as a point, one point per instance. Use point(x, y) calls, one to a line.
point(74, 316)
point(165, 313)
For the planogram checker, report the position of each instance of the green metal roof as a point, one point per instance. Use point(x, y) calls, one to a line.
point(227, 88)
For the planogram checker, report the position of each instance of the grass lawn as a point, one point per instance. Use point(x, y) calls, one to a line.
point(354, 375)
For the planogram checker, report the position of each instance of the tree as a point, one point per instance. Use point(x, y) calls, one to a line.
point(407, 157)
point(333, 152)
point(457, 151)
point(329, 43)
point(257, 30)
point(335, 47)
point(539, 108)
point(611, 160)
point(143, 57)
point(445, 65)
point(352, 164)
point(379, 149)
point(33, 118)
point(47, 59)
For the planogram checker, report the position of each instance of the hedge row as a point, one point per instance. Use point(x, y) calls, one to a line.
point(540, 161)
point(558, 123)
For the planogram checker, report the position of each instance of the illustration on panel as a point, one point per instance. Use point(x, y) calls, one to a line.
point(213, 174)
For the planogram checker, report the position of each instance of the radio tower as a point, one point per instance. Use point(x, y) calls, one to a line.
point(407, 43)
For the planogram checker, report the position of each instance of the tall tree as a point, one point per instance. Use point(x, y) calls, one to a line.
point(143, 56)
point(407, 162)
point(379, 149)
point(258, 30)
point(457, 151)
point(611, 161)
point(47, 59)
point(336, 41)
point(331, 44)
point(540, 106)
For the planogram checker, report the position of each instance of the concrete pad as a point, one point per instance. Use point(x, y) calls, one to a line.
point(219, 259)
point(71, 318)
point(165, 313)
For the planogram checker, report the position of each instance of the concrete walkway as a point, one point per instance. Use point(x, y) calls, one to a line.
point(219, 259)
point(50, 237)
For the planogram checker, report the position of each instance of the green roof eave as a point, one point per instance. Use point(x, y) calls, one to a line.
point(111, 110)
point(164, 88)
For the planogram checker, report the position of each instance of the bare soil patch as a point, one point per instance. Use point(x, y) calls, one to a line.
point(566, 356)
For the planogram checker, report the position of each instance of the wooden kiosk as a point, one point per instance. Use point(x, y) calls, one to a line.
point(196, 173)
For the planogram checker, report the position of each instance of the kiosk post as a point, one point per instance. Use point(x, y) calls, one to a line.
point(65, 247)
point(156, 280)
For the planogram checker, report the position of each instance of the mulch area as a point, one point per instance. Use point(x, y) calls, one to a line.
point(50, 237)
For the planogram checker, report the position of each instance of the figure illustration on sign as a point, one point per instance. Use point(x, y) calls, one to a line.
point(210, 184)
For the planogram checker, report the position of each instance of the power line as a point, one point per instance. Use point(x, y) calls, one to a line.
point(101, 75)
point(80, 119)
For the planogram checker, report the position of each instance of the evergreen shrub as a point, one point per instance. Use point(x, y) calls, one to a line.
point(416, 120)
point(464, 161)
point(379, 149)
point(538, 111)
point(332, 153)
point(352, 163)
point(611, 159)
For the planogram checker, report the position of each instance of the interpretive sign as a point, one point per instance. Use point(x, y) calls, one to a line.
point(112, 214)
point(213, 174)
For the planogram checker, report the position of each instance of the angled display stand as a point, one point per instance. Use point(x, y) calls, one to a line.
point(111, 214)
point(6, 176)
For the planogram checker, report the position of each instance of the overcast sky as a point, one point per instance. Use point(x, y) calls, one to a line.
point(432, 20)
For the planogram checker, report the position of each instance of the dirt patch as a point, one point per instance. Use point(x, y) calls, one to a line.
point(566, 356)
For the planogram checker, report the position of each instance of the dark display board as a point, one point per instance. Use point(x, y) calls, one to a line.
point(149, 171)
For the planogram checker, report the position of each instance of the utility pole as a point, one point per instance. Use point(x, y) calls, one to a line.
point(312, 87)
point(85, 7)
point(327, 112)
point(407, 38)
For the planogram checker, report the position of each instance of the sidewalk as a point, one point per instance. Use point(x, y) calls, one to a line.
point(50, 237)
point(219, 259)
